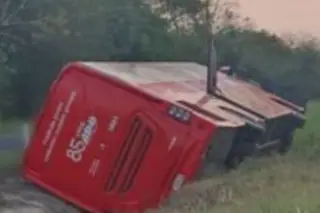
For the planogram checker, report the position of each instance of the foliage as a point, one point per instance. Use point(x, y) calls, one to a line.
point(38, 37)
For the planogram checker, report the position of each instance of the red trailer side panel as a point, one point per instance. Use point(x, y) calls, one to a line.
point(101, 146)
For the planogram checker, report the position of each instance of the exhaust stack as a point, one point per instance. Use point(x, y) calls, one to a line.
point(212, 55)
point(211, 67)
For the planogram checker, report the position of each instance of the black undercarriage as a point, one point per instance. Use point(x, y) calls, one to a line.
point(230, 146)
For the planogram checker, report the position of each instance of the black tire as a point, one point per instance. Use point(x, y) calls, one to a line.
point(286, 143)
point(238, 153)
point(233, 161)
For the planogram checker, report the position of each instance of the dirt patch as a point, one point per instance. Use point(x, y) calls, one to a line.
point(8, 173)
point(18, 196)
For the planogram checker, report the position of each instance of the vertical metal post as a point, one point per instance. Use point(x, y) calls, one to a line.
point(212, 55)
point(25, 133)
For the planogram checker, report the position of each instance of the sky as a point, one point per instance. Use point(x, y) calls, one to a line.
point(283, 16)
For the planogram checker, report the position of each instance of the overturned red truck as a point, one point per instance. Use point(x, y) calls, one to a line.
point(121, 136)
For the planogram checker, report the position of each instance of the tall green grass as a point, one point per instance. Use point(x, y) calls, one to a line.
point(10, 159)
point(289, 184)
point(307, 140)
point(280, 184)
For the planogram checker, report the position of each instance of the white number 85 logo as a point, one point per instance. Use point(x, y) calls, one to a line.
point(79, 145)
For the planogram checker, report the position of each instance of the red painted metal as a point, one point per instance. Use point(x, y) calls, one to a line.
point(104, 140)
point(104, 145)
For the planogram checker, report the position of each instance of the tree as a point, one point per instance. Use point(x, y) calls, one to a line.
point(37, 37)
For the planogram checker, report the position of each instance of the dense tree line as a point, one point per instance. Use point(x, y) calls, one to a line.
point(38, 36)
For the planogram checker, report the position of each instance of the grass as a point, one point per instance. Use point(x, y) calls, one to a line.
point(9, 126)
point(10, 159)
point(289, 184)
point(267, 186)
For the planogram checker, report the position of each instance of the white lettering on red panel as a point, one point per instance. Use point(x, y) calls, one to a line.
point(57, 124)
point(79, 143)
point(172, 143)
point(113, 124)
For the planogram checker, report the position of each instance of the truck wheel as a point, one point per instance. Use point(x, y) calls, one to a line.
point(238, 153)
point(286, 143)
point(233, 161)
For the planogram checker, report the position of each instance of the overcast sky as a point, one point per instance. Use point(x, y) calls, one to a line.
point(284, 15)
